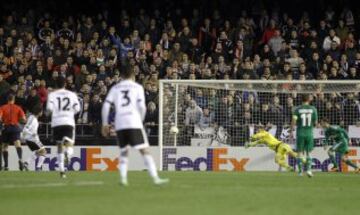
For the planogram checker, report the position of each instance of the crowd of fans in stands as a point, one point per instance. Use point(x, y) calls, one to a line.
point(90, 51)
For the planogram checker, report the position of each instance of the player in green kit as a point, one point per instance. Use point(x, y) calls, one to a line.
point(340, 138)
point(305, 118)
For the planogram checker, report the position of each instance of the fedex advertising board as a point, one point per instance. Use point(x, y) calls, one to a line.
point(105, 158)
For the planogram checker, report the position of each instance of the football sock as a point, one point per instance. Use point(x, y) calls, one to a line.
point(150, 164)
point(19, 152)
point(40, 161)
point(299, 164)
point(31, 158)
point(6, 157)
point(61, 164)
point(308, 163)
point(348, 162)
point(333, 160)
point(123, 167)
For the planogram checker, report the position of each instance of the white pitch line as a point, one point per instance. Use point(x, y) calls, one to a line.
point(88, 183)
point(11, 186)
point(79, 183)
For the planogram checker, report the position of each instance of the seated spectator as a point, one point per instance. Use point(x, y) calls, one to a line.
point(206, 119)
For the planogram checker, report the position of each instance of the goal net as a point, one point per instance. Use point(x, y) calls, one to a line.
point(214, 113)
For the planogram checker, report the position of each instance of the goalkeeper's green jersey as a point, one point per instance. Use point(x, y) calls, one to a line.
point(336, 133)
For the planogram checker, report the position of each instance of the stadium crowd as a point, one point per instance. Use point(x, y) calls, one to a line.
point(267, 44)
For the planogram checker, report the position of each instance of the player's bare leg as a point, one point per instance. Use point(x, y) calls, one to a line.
point(150, 164)
point(61, 160)
point(40, 154)
point(350, 163)
point(18, 148)
point(123, 166)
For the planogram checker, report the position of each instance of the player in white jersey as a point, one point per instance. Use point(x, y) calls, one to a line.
point(63, 106)
point(30, 136)
point(129, 101)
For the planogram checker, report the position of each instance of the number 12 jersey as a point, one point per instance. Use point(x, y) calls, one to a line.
point(63, 105)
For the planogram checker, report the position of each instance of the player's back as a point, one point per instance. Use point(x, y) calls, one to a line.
point(336, 132)
point(306, 118)
point(11, 114)
point(129, 101)
point(30, 129)
point(63, 105)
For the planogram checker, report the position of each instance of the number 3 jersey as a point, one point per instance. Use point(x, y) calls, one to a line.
point(63, 105)
point(129, 101)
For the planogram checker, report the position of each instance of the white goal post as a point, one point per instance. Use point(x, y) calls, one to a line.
point(211, 113)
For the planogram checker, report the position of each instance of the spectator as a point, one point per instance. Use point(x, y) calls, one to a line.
point(269, 32)
point(276, 42)
point(193, 114)
point(151, 119)
point(4, 86)
point(332, 38)
point(33, 100)
point(206, 119)
point(91, 53)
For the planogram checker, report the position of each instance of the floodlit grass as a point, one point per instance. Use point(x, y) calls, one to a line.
point(98, 193)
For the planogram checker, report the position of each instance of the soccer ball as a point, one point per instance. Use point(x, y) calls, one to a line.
point(174, 130)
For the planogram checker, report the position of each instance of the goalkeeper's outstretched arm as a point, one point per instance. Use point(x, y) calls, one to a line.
point(255, 140)
point(253, 143)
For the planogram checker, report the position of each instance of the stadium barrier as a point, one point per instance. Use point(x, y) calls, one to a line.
point(105, 158)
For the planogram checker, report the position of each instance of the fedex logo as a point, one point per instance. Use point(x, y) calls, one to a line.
point(88, 159)
point(326, 164)
point(214, 160)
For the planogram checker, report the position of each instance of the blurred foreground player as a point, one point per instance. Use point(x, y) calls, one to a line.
point(281, 149)
point(63, 106)
point(30, 136)
point(340, 138)
point(11, 115)
point(129, 101)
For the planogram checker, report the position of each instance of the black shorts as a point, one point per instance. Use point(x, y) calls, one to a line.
point(135, 138)
point(63, 132)
point(34, 146)
point(10, 134)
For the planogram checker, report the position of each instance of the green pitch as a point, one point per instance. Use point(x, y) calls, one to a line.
point(198, 193)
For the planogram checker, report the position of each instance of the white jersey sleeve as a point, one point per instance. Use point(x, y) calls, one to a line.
point(63, 106)
point(30, 130)
point(141, 103)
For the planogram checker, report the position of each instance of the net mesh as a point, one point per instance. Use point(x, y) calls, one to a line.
point(228, 113)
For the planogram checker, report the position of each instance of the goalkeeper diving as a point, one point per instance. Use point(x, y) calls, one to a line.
point(340, 139)
point(281, 149)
